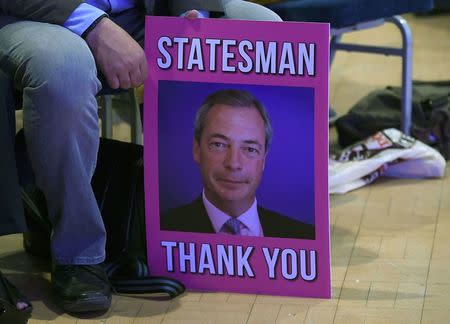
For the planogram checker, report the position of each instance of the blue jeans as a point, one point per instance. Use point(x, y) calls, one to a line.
point(56, 73)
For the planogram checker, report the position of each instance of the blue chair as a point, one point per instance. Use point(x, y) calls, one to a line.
point(350, 15)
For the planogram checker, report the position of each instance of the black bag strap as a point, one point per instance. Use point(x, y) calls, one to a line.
point(130, 275)
point(147, 285)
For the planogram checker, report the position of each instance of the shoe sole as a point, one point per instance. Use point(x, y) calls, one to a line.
point(87, 305)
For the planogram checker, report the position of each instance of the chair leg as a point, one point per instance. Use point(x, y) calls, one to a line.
point(405, 52)
point(106, 115)
point(406, 71)
point(136, 125)
point(334, 40)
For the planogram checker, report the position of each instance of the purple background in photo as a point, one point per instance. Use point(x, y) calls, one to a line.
point(288, 181)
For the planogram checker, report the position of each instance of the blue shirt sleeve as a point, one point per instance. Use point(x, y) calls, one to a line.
point(82, 17)
point(87, 12)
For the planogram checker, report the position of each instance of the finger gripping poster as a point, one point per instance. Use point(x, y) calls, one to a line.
point(236, 153)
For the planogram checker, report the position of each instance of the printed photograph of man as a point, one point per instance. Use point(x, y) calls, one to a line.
point(232, 138)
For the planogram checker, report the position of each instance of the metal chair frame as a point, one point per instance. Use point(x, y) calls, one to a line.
point(106, 115)
point(405, 52)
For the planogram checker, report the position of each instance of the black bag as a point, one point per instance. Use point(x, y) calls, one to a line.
point(381, 109)
point(118, 184)
point(9, 296)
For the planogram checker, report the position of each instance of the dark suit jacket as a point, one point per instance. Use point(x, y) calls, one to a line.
point(50, 11)
point(194, 218)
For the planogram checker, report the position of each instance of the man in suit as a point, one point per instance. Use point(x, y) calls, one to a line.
point(231, 141)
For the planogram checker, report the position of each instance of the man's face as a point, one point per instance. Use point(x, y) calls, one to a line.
point(231, 155)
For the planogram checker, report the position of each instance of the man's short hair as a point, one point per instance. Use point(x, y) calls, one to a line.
point(233, 98)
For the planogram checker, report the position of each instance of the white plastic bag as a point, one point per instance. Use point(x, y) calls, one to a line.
point(390, 153)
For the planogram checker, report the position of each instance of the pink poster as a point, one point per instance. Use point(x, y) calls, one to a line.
point(236, 155)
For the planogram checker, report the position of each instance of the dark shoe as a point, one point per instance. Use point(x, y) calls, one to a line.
point(81, 288)
point(14, 308)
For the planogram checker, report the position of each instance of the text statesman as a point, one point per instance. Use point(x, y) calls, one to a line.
point(230, 145)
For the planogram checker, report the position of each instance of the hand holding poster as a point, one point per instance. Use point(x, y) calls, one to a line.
point(236, 151)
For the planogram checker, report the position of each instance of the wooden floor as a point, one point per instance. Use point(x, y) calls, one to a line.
point(390, 241)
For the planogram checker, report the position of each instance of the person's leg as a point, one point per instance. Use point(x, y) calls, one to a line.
point(240, 9)
point(56, 73)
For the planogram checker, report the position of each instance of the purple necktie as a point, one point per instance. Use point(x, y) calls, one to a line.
point(233, 226)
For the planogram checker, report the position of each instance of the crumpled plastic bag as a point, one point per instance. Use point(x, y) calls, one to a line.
point(389, 153)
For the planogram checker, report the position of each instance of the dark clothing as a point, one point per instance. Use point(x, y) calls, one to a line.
point(194, 218)
point(49, 11)
point(11, 210)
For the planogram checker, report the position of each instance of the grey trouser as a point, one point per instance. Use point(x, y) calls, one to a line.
point(56, 73)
